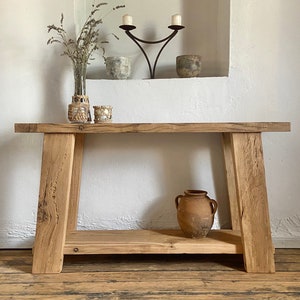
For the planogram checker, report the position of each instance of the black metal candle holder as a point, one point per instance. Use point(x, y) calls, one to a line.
point(175, 29)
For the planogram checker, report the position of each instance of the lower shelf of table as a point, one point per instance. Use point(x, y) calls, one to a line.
point(151, 242)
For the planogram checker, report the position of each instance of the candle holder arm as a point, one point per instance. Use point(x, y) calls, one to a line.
point(136, 40)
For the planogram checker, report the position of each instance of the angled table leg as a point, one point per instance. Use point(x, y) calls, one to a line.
point(252, 199)
point(57, 163)
point(231, 182)
point(75, 183)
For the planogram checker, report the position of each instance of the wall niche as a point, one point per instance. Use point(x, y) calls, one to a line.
point(206, 33)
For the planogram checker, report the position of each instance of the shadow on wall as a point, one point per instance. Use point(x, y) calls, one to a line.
point(55, 75)
point(6, 175)
point(19, 172)
point(190, 162)
point(206, 33)
point(122, 180)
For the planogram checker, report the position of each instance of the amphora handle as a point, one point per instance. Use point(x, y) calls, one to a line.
point(177, 200)
point(214, 205)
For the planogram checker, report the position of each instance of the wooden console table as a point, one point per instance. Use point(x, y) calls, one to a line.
point(56, 229)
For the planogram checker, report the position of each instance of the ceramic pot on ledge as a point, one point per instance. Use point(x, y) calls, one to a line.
point(188, 66)
point(118, 67)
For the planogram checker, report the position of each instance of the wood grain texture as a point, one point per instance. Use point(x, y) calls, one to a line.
point(57, 160)
point(60, 180)
point(75, 183)
point(150, 277)
point(253, 202)
point(151, 127)
point(150, 241)
point(231, 181)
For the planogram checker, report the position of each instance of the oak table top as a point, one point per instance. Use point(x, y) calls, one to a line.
point(152, 127)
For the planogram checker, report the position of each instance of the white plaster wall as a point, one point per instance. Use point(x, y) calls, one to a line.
point(206, 33)
point(130, 181)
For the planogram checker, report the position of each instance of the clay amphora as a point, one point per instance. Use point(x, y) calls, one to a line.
point(195, 213)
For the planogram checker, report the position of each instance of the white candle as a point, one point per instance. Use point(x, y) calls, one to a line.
point(127, 20)
point(176, 19)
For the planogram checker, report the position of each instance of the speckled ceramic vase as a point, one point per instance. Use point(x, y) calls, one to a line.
point(188, 66)
point(118, 67)
point(195, 213)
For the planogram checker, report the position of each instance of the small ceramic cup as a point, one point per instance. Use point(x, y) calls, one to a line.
point(188, 66)
point(103, 114)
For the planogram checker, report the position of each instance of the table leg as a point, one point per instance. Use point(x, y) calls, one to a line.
point(75, 183)
point(231, 182)
point(57, 162)
point(252, 199)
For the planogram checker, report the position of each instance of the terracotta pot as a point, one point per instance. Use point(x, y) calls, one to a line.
point(195, 213)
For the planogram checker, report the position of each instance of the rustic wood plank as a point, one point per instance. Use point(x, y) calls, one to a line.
point(131, 277)
point(288, 258)
point(150, 275)
point(51, 297)
point(75, 183)
point(10, 253)
point(161, 296)
point(231, 181)
point(151, 127)
point(57, 160)
point(161, 284)
point(150, 241)
point(253, 202)
point(286, 252)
